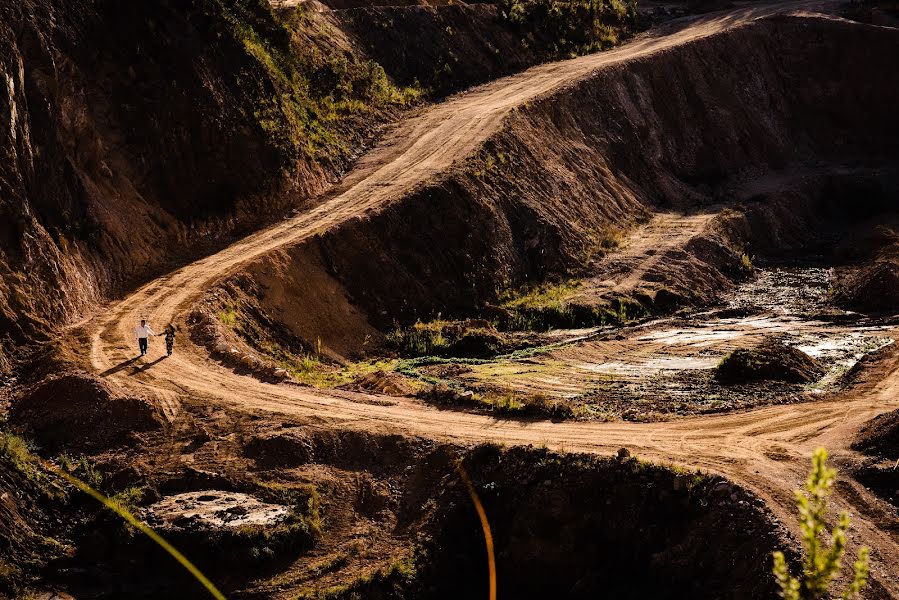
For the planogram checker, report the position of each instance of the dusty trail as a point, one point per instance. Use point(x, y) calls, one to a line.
point(766, 450)
point(664, 232)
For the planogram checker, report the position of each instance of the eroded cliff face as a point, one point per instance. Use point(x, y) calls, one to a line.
point(124, 144)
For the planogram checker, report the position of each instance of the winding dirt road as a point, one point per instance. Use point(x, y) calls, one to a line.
point(766, 450)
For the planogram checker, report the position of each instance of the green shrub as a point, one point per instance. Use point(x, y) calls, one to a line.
point(573, 26)
point(16, 450)
point(228, 316)
point(82, 468)
point(745, 263)
point(447, 338)
point(823, 559)
point(18, 453)
point(421, 339)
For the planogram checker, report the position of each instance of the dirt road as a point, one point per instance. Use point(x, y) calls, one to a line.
point(766, 450)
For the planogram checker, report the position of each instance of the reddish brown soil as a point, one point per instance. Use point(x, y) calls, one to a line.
point(131, 144)
point(78, 412)
point(766, 449)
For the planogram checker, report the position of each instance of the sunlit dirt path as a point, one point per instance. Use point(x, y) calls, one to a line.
point(766, 450)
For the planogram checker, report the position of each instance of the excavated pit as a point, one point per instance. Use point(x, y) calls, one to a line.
point(572, 526)
point(545, 198)
point(564, 525)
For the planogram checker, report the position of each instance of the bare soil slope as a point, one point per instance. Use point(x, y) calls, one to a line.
point(764, 449)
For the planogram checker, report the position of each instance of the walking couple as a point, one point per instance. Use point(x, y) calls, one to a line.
point(143, 332)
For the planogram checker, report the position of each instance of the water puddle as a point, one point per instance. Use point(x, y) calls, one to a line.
point(212, 509)
point(675, 358)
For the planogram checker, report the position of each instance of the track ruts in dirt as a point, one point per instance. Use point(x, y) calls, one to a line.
point(766, 449)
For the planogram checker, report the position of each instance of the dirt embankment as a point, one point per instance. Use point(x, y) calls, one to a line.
point(32, 521)
point(539, 197)
point(447, 48)
point(870, 280)
point(78, 412)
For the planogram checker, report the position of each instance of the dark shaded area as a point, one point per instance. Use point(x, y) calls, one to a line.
point(447, 48)
point(880, 436)
point(573, 526)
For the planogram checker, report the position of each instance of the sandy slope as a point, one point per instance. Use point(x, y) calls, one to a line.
point(765, 449)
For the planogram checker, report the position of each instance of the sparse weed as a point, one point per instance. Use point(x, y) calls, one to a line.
point(823, 559)
point(745, 263)
point(556, 305)
point(130, 497)
point(82, 468)
point(446, 338)
point(548, 296)
point(228, 316)
point(17, 451)
point(314, 94)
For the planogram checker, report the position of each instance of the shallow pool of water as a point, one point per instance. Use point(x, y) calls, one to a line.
point(791, 303)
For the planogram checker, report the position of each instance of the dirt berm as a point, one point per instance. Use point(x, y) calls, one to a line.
point(78, 412)
point(675, 130)
point(772, 360)
point(872, 284)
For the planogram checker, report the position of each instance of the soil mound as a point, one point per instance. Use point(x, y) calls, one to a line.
point(82, 413)
point(874, 288)
point(770, 361)
point(872, 285)
point(349, 450)
point(880, 437)
point(381, 382)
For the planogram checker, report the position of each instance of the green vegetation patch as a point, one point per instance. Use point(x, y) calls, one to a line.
point(18, 452)
point(472, 338)
point(555, 306)
point(503, 402)
point(318, 91)
point(574, 26)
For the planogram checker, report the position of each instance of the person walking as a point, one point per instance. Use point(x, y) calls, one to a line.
point(169, 333)
point(142, 332)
